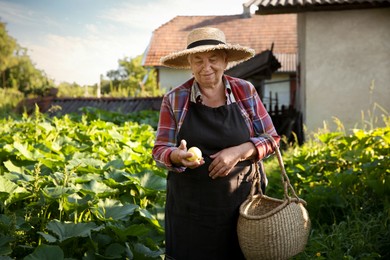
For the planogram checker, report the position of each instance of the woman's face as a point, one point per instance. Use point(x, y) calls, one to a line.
point(208, 67)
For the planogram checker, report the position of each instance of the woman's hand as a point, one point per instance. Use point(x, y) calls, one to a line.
point(179, 157)
point(226, 159)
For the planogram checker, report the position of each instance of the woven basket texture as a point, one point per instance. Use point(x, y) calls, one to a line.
point(279, 236)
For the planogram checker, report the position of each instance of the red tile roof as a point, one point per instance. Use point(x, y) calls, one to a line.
point(257, 32)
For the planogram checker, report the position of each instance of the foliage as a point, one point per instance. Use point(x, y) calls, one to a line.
point(148, 117)
point(345, 180)
point(85, 187)
point(79, 189)
point(73, 90)
point(9, 100)
point(17, 71)
point(7, 47)
point(131, 79)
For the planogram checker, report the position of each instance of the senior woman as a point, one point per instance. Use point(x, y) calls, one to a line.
point(224, 117)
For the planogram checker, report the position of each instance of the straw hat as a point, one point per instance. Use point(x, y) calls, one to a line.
point(203, 40)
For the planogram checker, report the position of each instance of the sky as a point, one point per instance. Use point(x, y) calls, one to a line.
point(79, 40)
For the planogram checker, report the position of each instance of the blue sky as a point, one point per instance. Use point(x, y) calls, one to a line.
point(78, 40)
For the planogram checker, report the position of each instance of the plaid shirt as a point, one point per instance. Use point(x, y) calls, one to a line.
point(175, 105)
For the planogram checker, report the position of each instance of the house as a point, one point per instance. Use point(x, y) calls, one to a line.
point(262, 33)
point(343, 57)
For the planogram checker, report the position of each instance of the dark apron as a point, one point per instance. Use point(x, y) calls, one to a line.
point(201, 213)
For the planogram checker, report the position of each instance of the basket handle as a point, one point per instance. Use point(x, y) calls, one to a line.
point(285, 180)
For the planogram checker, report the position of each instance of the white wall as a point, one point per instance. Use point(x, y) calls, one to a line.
point(170, 78)
point(341, 53)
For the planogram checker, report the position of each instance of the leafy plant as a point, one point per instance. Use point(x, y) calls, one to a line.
point(345, 179)
point(148, 117)
point(86, 188)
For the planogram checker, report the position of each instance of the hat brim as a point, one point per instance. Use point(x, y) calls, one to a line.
point(235, 54)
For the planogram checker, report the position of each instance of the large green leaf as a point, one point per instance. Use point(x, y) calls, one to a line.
point(10, 192)
point(46, 252)
point(118, 178)
point(13, 168)
point(136, 230)
point(19, 178)
point(57, 192)
point(115, 164)
point(143, 252)
point(66, 230)
point(95, 187)
point(5, 247)
point(7, 186)
point(84, 160)
point(23, 149)
point(110, 209)
point(149, 217)
point(115, 250)
point(149, 180)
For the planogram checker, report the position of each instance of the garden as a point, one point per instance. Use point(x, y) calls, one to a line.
point(86, 187)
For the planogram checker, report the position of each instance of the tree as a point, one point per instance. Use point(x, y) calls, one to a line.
point(131, 79)
point(66, 89)
point(8, 45)
point(17, 70)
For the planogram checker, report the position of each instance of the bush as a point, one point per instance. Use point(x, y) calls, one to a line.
point(345, 180)
point(10, 98)
point(85, 186)
point(79, 189)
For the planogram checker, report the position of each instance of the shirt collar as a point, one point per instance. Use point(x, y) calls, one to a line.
point(196, 95)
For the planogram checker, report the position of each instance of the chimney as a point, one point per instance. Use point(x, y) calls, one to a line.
point(246, 11)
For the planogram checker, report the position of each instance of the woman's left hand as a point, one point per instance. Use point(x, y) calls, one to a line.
point(224, 160)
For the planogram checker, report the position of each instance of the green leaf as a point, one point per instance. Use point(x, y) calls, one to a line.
point(83, 160)
point(151, 181)
point(66, 230)
point(116, 164)
point(7, 186)
point(10, 192)
point(120, 177)
point(5, 247)
point(18, 177)
point(149, 217)
point(115, 250)
point(57, 192)
point(110, 209)
point(12, 168)
point(46, 252)
point(136, 230)
point(96, 187)
point(49, 238)
point(359, 133)
point(23, 149)
point(143, 252)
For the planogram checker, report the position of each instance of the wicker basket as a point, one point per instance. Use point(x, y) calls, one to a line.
point(270, 228)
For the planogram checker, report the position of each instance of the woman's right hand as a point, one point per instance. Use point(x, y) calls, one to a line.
point(179, 157)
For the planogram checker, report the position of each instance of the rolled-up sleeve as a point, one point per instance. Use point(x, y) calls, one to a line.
point(165, 141)
point(258, 120)
point(262, 123)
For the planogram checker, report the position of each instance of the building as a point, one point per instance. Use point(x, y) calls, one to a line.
point(262, 33)
point(343, 58)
